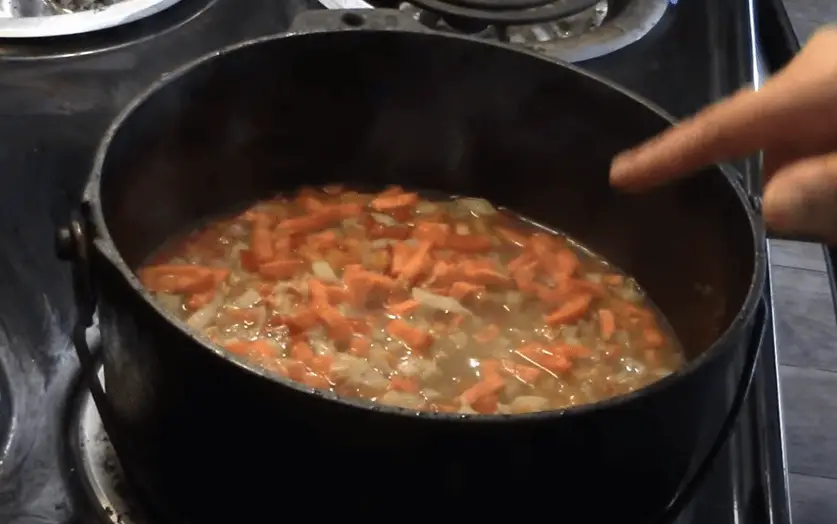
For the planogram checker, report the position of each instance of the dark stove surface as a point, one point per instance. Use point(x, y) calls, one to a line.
point(56, 98)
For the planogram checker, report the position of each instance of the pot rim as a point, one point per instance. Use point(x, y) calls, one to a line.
point(105, 245)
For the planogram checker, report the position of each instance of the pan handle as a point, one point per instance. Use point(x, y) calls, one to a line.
point(73, 243)
point(354, 20)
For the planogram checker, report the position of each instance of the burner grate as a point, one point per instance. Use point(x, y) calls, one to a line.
point(98, 473)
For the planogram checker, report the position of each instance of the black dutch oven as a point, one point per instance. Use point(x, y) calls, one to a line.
point(366, 98)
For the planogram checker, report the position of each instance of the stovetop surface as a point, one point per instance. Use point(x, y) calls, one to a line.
point(57, 97)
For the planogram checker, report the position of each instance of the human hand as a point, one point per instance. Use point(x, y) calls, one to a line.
point(793, 118)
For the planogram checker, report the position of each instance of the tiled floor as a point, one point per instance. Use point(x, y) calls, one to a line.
point(807, 350)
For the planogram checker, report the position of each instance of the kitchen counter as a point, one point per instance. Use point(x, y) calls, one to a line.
point(806, 331)
point(807, 15)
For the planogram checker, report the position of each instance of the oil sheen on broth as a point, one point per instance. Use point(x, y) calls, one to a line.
point(438, 305)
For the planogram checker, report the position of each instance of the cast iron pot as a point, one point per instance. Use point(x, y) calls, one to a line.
point(365, 98)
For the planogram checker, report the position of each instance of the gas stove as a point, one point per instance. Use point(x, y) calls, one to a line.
point(59, 90)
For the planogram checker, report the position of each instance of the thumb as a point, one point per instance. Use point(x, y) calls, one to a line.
point(801, 198)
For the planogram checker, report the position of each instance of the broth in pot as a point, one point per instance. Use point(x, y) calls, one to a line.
point(436, 305)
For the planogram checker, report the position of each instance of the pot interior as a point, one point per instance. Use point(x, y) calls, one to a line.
point(427, 111)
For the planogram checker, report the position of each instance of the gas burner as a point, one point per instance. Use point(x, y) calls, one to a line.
point(569, 31)
point(28, 34)
point(97, 469)
point(49, 18)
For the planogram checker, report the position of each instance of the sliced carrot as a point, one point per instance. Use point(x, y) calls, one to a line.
point(653, 337)
point(403, 308)
point(417, 263)
point(436, 232)
point(534, 353)
point(177, 278)
point(378, 260)
point(359, 346)
point(486, 404)
point(261, 238)
point(300, 322)
point(485, 276)
point(199, 300)
point(301, 351)
point(236, 347)
point(462, 290)
point(607, 323)
point(311, 222)
point(522, 262)
point(382, 231)
point(385, 202)
point(248, 261)
point(570, 350)
point(242, 314)
point(323, 240)
point(339, 328)
point(280, 269)
point(487, 334)
point(416, 339)
point(469, 243)
point(613, 279)
point(262, 348)
point(401, 254)
point(317, 292)
point(320, 364)
point(567, 262)
point(570, 311)
point(405, 384)
point(489, 385)
point(296, 370)
point(526, 374)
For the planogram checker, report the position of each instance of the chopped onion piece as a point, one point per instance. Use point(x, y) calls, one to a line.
point(247, 299)
point(477, 206)
point(384, 219)
point(402, 400)
point(202, 317)
point(434, 301)
point(322, 270)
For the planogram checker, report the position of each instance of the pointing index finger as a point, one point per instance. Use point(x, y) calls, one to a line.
point(731, 128)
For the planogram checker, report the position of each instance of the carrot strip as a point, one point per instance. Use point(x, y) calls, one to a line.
point(570, 311)
point(416, 264)
point(653, 337)
point(435, 232)
point(301, 351)
point(177, 278)
point(391, 202)
point(280, 269)
point(405, 384)
point(403, 308)
point(261, 238)
point(487, 334)
point(607, 323)
point(359, 346)
point(489, 385)
point(461, 290)
point(469, 243)
point(417, 339)
point(199, 300)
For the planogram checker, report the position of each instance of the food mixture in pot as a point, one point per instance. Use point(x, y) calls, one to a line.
point(439, 305)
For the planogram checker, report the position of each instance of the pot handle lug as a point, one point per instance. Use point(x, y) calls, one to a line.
point(353, 20)
point(74, 244)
